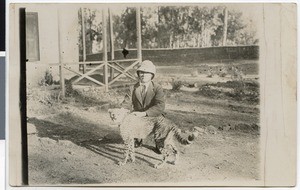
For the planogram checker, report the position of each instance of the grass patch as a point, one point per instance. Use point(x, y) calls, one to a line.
point(242, 91)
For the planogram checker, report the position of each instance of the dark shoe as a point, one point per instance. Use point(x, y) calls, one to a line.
point(138, 143)
point(156, 150)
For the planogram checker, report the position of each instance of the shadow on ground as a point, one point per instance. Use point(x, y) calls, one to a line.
point(97, 138)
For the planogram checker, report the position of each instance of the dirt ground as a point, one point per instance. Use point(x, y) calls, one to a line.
point(74, 142)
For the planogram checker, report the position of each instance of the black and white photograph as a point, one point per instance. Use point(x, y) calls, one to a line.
point(140, 94)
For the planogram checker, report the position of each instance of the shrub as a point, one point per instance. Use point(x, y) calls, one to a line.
point(70, 92)
point(210, 73)
point(47, 80)
point(207, 91)
point(194, 73)
point(237, 74)
point(176, 85)
point(245, 91)
point(222, 72)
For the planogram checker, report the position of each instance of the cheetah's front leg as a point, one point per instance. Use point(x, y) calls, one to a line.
point(126, 153)
point(176, 155)
point(163, 161)
point(129, 152)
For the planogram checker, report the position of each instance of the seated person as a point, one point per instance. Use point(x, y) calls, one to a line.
point(147, 97)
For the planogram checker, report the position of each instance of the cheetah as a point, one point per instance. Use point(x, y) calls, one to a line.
point(164, 130)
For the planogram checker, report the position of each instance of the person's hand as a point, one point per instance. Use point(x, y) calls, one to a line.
point(139, 114)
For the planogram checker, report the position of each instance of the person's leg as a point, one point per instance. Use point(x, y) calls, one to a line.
point(138, 142)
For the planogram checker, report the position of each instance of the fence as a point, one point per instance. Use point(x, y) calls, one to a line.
point(189, 55)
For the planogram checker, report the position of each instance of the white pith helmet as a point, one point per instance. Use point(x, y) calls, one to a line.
point(147, 66)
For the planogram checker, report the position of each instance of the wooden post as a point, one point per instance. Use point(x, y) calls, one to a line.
point(139, 34)
point(112, 49)
point(83, 39)
point(104, 24)
point(61, 69)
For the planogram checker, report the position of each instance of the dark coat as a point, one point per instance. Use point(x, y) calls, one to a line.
point(154, 102)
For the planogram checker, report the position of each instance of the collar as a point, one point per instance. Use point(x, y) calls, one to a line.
point(146, 85)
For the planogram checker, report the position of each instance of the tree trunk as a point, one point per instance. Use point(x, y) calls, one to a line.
point(202, 33)
point(171, 40)
point(184, 41)
point(195, 40)
point(159, 44)
point(225, 26)
point(199, 40)
point(205, 39)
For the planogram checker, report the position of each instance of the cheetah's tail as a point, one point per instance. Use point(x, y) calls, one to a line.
point(186, 140)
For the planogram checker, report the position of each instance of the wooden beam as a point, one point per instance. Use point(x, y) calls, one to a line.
point(139, 33)
point(77, 63)
point(116, 63)
point(91, 62)
point(123, 73)
point(88, 77)
point(61, 73)
point(87, 74)
point(112, 49)
point(104, 38)
point(123, 60)
point(122, 68)
point(83, 38)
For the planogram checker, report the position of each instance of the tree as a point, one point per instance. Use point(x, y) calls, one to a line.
point(125, 28)
point(172, 27)
point(149, 27)
point(235, 25)
point(247, 35)
point(240, 30)
point(93, 30)
point(207, 21)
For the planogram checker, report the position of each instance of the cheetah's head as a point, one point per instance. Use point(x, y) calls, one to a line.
point(118, 114)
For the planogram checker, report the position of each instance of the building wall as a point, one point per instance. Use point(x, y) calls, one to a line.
point(57, 33)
